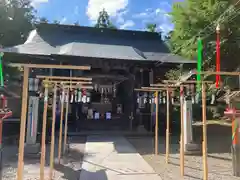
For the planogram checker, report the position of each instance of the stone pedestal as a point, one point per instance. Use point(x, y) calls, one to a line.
point(141, 129)
point(31, 146)
point(32, 149)
point(190, 148)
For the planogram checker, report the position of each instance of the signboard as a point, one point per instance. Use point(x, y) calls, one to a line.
point(32, 120)
point(187, 121)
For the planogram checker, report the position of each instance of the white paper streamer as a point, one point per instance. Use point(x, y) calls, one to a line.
point(213, 99)
point(75, 96)
point(71, 100)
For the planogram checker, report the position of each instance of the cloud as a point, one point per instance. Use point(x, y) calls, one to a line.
point(120, 17)
point(159, 16)
point(127, 24)
point(63, 20)
point(151, 14)
point(35, 3)
point(141, 15)
point(76, 10)
point(165, 28)
point(113, 7)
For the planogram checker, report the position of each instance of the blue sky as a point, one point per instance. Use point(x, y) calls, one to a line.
point(125, 14)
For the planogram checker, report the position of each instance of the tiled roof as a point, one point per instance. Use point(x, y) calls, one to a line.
point(49, 39)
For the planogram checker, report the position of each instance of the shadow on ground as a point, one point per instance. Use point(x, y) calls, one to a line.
point(69, 167)
point(219, 140)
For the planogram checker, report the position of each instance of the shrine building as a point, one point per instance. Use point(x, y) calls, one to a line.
point(120, 61)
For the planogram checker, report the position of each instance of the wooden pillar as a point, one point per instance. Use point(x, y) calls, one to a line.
point(182, 133)
point(156, 124)
point(53, 133)
point(43, 148)
point(204, 127)
point(23, 124)
point(168, 127)
point(66, 123)
point(61, 128)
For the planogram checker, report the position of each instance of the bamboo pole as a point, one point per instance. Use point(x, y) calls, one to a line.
point(43, 147)
point(185, 82)
point(66, 123)
point(154, 88)
point(76, 86)
point(51, 66)
point(204, 126)
point(182, 134)
point(60, 131)
point(68, 82)
point(167, 129)
point(168, 85)
point(220, 73)
point(53, 133)
point(156, 125)
point(65, 78)
point(23, 124)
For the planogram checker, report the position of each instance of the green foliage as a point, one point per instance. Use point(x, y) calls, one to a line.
point(45, 20)
point(103, 21)
point(192, 18)
point(76, 23)
point(152, 27)
point(56, 22)
point(174, 74)
point(16, 19)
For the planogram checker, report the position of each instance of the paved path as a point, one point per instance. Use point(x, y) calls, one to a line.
point(114, 158)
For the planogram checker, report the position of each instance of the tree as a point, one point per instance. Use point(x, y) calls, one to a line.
point(76, 23)
point(16, 21)
point(103, 21)
point(152, 27)
point(193, 19)
point(56, 22)
point(44, 20)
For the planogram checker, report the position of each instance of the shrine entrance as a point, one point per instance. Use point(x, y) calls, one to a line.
point(103, 107)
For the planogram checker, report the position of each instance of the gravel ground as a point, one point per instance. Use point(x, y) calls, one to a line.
point(68, 170)
point(219, 156)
